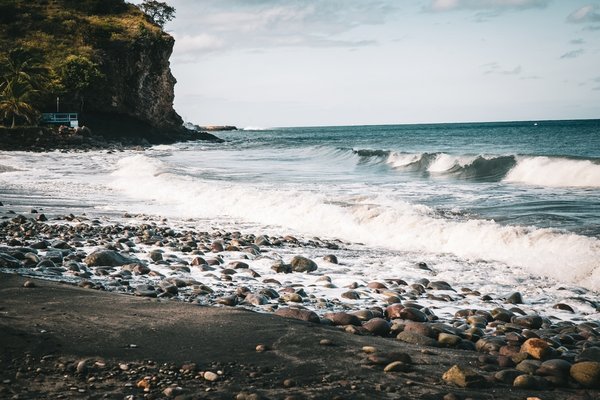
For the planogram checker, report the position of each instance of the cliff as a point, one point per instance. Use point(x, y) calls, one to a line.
point(105, 59)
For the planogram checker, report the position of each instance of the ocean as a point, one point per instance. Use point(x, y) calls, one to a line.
point(504, 206)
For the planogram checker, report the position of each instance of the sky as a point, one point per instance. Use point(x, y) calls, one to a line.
point(274, 63)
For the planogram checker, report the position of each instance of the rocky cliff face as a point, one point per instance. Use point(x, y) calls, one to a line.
point(133, 95)
point(139, 83)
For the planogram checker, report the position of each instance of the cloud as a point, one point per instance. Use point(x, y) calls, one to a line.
point(572, 54)
point(497, 69)
point(221, 25)
point(485, 5)
point(585, 14)
point(202, 42)
point(577, 41)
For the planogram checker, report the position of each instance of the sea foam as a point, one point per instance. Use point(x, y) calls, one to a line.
point(555, 172)
point(376, 220)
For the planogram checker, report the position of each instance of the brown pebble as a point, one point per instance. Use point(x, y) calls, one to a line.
point(397, 366)
point(289, 383)
point(210, 376)
point(369, 349)
point(325, 342)
point(262, 348)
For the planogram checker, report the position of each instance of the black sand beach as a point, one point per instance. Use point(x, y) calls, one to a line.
point(61, 340)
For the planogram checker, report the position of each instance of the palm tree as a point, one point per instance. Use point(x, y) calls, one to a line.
point(22, 65)
point(14, 102)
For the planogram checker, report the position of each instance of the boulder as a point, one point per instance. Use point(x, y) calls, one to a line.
point(415, 338)
point(342, 318)
point(303, 264)
point(537, 348)
point(108, 258)
point(463, 377)
point(587, 373)
point(377, 326)
point(298, 313)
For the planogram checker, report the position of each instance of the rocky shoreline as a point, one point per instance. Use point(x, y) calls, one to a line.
point(41, 139)
point(383, 338)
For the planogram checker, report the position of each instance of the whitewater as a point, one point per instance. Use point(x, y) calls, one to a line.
point(503, 203)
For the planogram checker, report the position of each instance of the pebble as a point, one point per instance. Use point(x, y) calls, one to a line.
point(397, 366)
point(377, 326)
point(507, 376)
point(303, 264)
point(330, 258)
point(29, 284)
point(463, 377)
point(587, 373)
point(515, 298)
point(415, 338)
point(261, 348)
point(342, 318)
point(297, 313)
point(530, 382)
point(369, 349)
point(289, 383)
point(210, 376)
point(537, 348)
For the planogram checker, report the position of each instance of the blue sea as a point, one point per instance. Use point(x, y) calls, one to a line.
point(494, 199)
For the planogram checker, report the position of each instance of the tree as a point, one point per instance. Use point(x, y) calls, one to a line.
point(159, 12)
point(22, 65)
point(77, 75)
point(22, 77)
point(15, 102)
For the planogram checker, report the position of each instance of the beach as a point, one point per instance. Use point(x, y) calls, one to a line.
point(121, 312)
point(426, 261)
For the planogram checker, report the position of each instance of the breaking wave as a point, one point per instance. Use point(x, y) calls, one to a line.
point(528, 170)
point(376, 220)
point(7, 168)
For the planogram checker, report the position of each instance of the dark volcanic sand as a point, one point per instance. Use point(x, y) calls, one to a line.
point(62, 341)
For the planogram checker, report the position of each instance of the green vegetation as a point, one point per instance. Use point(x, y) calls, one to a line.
point(15, 101)
point(56, 48)
point(158, 11)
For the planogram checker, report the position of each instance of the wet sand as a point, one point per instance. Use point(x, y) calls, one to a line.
point(63, 341)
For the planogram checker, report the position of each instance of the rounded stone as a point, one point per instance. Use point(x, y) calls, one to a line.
point(397, 366)
point(463, 377)
point(297, 313)
point(330, 258)
point(537, 348)
point(530, 382)
point(515, 298)
point(415, 338)
point(447, 339)
point(342, 318)
point(587, 373)
point(303, 264)
point(377, 326)
point(210, 376)
point(393, 311)
point(554, 367)
point(351, 295)
point(413, 314)
point(507, 376)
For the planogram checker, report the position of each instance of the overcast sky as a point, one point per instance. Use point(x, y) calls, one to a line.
point(274, 63)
